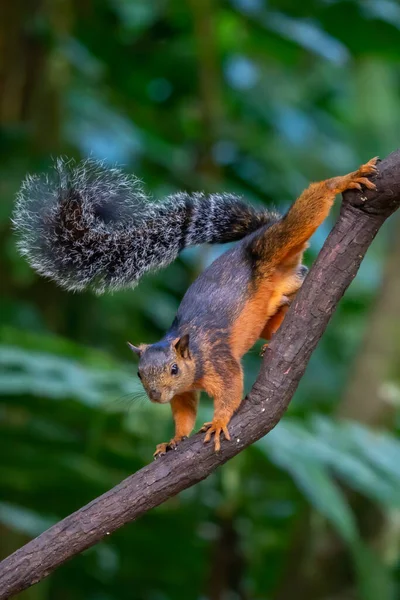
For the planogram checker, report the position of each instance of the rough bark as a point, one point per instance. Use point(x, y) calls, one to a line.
point(365, 400)
point(361, 216)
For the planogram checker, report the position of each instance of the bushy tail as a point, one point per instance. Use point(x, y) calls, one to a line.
point(89, 226)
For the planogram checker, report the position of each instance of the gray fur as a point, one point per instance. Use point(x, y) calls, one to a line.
point(90, 226)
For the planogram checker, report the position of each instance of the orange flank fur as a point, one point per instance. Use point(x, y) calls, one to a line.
point(274, 323)
point(257, 312)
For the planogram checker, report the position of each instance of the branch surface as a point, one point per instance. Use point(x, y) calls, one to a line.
point(362, 214)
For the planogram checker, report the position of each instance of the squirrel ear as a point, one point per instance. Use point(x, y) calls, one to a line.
point(135, 349)
point(181, 345)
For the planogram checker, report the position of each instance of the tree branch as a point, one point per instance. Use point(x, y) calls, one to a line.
point(284, 363)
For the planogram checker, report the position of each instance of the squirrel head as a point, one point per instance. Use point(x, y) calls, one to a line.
point(166, 368)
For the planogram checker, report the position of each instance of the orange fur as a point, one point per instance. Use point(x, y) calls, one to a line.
point(184, 410)
point(289, 237)
point(274, 323)
point(227, 398)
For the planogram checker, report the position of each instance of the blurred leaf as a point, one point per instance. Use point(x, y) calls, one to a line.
point(319, 488)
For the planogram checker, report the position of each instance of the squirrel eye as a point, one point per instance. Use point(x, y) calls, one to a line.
point(174, 369)
point(139, 375)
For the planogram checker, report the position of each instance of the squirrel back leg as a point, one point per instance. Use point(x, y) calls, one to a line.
point(184, 411)
point(226, 387)
point(289, 236)
point(293, 285)
point(275, 321)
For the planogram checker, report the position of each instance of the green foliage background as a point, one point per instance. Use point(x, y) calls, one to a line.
point(247, 96)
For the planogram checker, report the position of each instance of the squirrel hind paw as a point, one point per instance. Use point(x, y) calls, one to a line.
point(370, 167)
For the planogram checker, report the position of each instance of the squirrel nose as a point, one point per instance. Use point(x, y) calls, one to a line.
point(155, 395)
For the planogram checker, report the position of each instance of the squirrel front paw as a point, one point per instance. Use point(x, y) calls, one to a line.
point(217, 427)
point(163, 448)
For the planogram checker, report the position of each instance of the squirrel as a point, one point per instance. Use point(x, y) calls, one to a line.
point(89, 226)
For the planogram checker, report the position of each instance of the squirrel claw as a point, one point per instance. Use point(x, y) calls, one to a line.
point(360, 177)
point(163, 448)
point(216, 427)
point(205, 427)
point(263, 349)
point(370, 167)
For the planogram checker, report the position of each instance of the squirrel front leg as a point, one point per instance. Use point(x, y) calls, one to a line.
point(227, 390)
point(184, 411)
